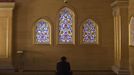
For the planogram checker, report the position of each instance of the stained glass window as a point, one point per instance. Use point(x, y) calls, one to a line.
point(89, 32)
point(42, 32)
point(131, 33)
point(66, 26)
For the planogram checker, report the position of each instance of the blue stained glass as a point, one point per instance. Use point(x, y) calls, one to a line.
point(89, 32)
point(42, 32)
point(66, 26)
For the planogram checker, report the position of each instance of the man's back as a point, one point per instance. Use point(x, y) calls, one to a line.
point(63, 67)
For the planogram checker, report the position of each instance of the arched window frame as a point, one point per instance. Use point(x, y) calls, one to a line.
point(73, 27)
point(131, 32)
point(81, 32)
point(34, 31)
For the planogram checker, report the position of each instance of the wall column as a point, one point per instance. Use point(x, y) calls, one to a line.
point(121, 53)
point(6, 12)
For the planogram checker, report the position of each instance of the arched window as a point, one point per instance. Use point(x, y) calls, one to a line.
point(42, 32)
point(66, 32)
point(89, 32)
point(131, 32)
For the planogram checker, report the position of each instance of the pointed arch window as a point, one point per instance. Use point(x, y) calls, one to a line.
point(42, 32)
point(66, 31)
point(89, 32)
point(131, 32)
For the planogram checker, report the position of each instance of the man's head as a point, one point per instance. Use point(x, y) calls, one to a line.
point(63, 58)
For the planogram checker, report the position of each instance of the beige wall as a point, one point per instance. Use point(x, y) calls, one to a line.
point(80, 57)
point(131, 12)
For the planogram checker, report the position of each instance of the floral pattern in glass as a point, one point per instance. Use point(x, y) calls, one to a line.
point(66, 26)
point(89, 32)
point(42, 32)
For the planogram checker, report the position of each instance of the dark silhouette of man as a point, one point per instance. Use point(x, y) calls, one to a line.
point(63, 67)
